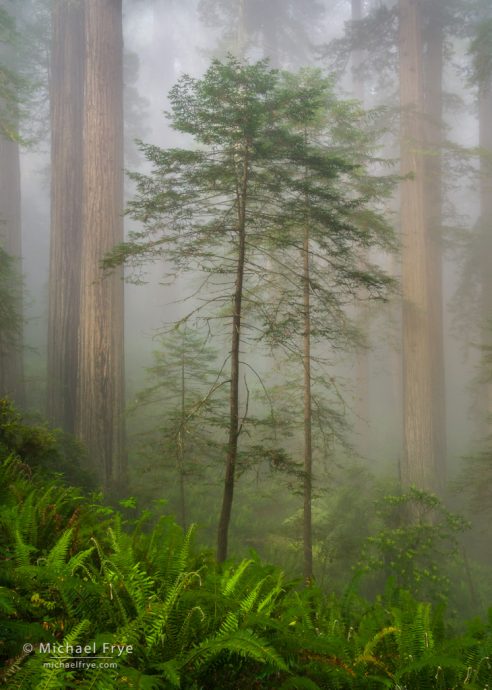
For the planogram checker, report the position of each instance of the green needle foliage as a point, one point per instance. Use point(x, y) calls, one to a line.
point(273, 153)
point(177, 415)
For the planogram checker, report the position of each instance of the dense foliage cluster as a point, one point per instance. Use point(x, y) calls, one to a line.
point(76, 572)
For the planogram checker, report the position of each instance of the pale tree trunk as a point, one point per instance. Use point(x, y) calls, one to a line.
point(241, 30)
point(433, 190)
point(485, 268)
point(419, 463)
point(100, 395)
point(362, 357)
point(11, 354)
point(308, 440)
point(180, 450)
point(234, 426)
point(67, 88)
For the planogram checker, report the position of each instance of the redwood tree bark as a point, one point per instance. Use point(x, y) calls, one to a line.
point(433, 191)
point(362, 358)
point(308, 433)
point(485, 142)
point(11, 354)
point(67, 89)
point(100, 394)
point(419, 463)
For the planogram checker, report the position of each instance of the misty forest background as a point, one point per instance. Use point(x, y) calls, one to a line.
point(246, 313)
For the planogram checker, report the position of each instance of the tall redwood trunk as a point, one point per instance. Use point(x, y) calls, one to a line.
point(67, 88)
point(11, 353)
point(100, 395)
point(234, 427)
point(308, 435)
point(362, 357)
point(433, 190)
point(485, 141)
point(419, 463)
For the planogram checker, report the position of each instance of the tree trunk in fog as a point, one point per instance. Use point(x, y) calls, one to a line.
point(308, 449)
point(362, 360)
point(419, 462)
point(180, 452)
point(11, 357)
point(433, 191)
point(485, 268)
point(234, 426)
point(67, 88)
point(100, 395)
point(241, 30)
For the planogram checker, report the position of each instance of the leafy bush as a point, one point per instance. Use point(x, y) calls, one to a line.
point(38, 446)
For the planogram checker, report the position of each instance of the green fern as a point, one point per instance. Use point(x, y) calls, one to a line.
point(22, 553)
point(243, 643)
point(56, 559)
point(232, 577)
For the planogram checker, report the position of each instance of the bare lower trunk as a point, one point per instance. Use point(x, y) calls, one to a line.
point(308, 441)
point(234, 428)
point(67, 87)
point(419, 464)
point(181, 442)
point(100, 397)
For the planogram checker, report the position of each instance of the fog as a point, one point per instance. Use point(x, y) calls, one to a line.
point(294, 350)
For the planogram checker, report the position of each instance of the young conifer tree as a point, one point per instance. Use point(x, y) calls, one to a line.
point(183, 406)
point(248, 191)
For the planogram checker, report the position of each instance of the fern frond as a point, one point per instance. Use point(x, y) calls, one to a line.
point(244, 643)
point(170, 671)
point(229, 625)
point(267, 603)
point(372, 644)
point(22, 553)
point(247, 603)
point(230, 581)
point(299, 683)
point(7, 598)
point(77, 561)
point(56, 558)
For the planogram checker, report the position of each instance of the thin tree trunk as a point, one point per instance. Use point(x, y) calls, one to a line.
point(433, 190)
point(485, 141)
point(234, 427)
point(100, 398)
point(241, 30)
point(362, 356)
point(308, 440)
point(357, 55)
point(180, 448)
point(419, 463)
point(67, 89)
